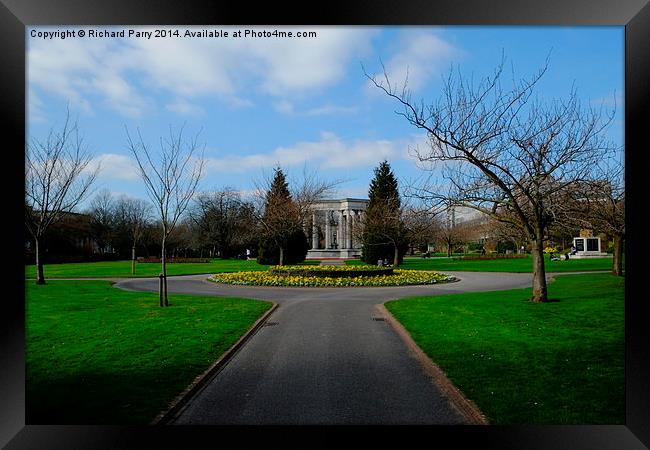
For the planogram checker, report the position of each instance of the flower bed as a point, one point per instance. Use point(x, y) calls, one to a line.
point(399, 277)
point(331, 271)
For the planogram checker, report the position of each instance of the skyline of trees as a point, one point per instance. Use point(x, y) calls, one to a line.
point(501, 235)
point(504, 152)
point(525, 172)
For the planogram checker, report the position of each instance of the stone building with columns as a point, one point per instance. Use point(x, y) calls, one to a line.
point(331, 229)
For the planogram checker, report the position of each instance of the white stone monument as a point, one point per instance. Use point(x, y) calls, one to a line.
point(587, 246)
point(333, 229)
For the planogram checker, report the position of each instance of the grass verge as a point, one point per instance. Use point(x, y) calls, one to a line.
point(521, 265)
point(122, 269)
point(528, 363)
point(99, 355)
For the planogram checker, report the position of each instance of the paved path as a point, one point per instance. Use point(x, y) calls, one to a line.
point(322, 358)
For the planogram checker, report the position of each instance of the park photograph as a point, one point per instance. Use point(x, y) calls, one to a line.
point(334, 225)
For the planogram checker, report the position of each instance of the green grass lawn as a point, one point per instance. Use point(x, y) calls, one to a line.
point(122, 269)
point(118, 269)
point(98, 355)
point(529, 363)
point(524, 265)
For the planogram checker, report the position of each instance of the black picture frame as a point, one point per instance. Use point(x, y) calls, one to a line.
point(15, 15)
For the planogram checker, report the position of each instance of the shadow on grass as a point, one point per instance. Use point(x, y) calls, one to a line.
point(126, 397)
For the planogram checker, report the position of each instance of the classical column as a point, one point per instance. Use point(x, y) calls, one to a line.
point(359, 219)
point(341, 230)
point(349, 227)
point(328, 231)
point(314, 231)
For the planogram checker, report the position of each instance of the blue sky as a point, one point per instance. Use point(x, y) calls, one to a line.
point(296, 102)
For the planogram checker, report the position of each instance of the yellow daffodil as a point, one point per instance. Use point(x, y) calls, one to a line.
point(400, 277)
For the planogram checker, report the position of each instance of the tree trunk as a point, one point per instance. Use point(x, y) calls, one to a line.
point(617, 263)
point(163, 258)
point(40, 277)
point(448, 249)
point(539, 271)
point(133, 259)
point(396, 257)
point(281, 256)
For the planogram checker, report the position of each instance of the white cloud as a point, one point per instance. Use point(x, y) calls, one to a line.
point(290, 65)
point(35, 107)
point(115, 166)
point(185, 108)
point(79, 69)
point(358, 154)
point(185, 68)
point(237, 102)
point(615, 99)
point(119, 95)
point(332, 109)
point(418, 56)
point(284, 107)
point(330, 152)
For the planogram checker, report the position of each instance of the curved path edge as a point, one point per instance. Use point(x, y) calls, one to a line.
point(477, 281)
point(463, 405)
point(203, 379)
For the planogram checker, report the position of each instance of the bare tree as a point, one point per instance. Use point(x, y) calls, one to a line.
point(282, 212)
point(133, 215)
point(608, 213)
point(396, 226)
point(504, 153)
point(56, 181)
point(449, 233)
point(102, 225)
point(420, 224)
point(171, 177)
point(181, 239)
point(223, 221)
point(600, 204)
point(506, 232)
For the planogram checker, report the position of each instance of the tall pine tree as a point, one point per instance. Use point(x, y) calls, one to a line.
point(383, 232)
point(283, 241)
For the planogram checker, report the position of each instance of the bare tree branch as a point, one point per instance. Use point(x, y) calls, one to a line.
point(57, 179)
point(171, 177)
point(504, 153)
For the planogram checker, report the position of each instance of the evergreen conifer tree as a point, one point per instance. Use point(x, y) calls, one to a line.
point(383, 233)
point(283, 240)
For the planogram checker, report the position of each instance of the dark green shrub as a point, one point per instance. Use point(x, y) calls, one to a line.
point(296, 251)
point(502, 246)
